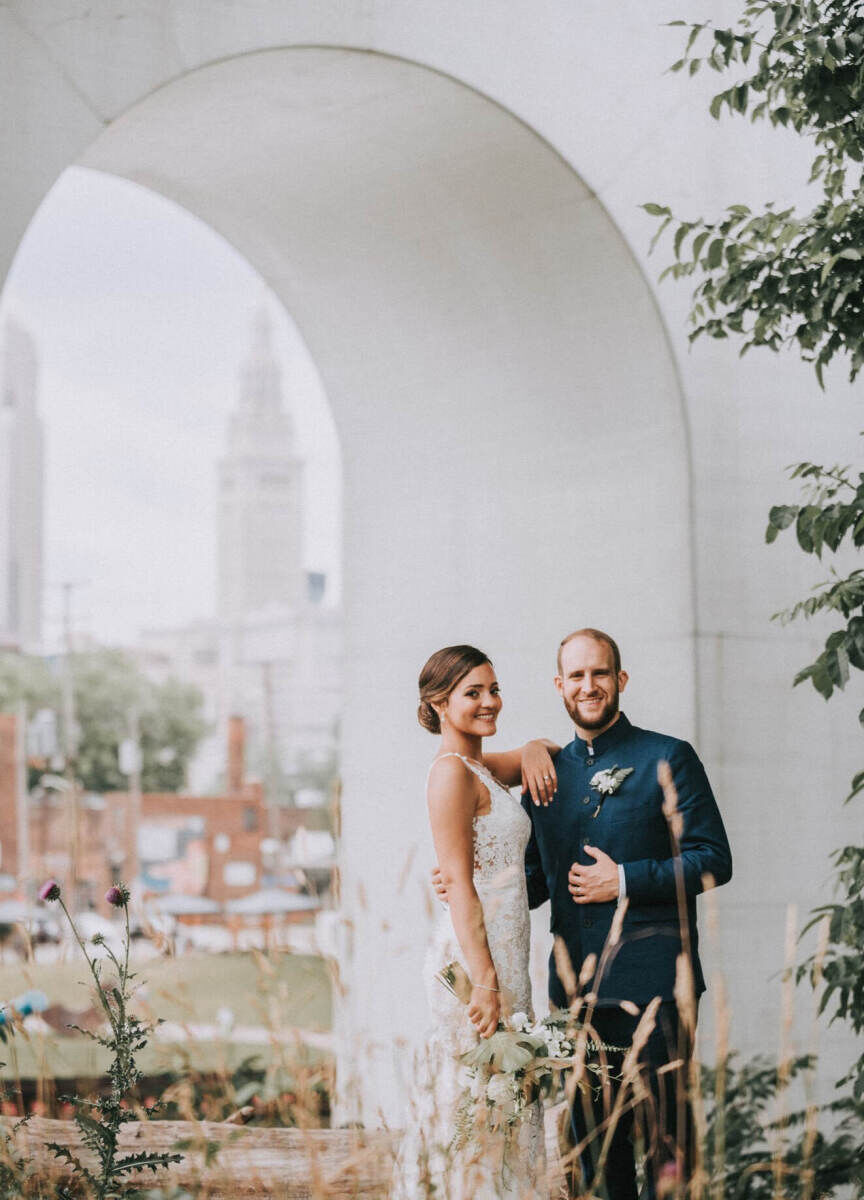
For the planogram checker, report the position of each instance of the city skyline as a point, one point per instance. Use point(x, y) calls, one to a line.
point(142, 317)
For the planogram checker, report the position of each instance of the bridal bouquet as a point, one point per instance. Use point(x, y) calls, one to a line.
point(520, 1063)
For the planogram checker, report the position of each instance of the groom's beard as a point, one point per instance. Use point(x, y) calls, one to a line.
point(601, 718)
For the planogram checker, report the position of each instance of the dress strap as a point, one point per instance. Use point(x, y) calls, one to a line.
point(448, 754)
point(475, 768)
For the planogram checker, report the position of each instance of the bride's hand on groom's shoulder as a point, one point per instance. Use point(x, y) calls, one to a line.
point(538, 773)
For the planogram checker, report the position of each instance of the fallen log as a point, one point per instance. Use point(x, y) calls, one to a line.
point(229, 1162)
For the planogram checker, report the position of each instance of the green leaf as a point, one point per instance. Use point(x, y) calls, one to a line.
point(781, 516)
point(857, 786)
point(837, 665)
point(715, 254)
point(680, 234)
point(657, 210)
point(698, 242)
point(658, 233)
point(821, 680)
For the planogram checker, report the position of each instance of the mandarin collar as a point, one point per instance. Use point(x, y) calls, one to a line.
point(604, 741)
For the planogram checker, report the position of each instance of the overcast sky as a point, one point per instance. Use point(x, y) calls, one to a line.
point(142, 315)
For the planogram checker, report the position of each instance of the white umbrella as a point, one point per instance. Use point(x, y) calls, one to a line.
point(179, 905)
point(14, 912)
point(271, 900)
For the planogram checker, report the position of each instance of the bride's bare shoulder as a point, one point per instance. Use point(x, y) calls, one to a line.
point(450, 780)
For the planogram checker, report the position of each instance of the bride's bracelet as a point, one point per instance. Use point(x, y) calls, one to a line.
point(484, 987)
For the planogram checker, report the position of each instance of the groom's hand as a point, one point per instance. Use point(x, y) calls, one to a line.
point(596, 883)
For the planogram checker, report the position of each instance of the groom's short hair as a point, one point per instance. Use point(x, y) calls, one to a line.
point(599, 636)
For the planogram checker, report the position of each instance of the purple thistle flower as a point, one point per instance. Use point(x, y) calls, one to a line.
point(50, 890)
point(668, 1178)
point(118, 895)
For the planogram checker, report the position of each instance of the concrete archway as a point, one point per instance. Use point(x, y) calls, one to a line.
point(515, 455)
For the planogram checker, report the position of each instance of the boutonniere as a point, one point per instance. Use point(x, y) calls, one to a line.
point(607, 783)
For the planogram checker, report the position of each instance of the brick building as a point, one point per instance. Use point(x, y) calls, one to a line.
point(209, 846)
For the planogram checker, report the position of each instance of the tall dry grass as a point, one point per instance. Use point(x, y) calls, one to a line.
point(749, 1138)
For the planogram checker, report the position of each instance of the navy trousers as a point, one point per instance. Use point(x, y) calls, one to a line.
point(662, 1121)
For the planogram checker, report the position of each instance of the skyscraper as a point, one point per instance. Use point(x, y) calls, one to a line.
point(274, 652)
point(260, 492)
point(22, 471)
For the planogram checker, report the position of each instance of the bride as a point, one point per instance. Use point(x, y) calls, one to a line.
point(480, 834)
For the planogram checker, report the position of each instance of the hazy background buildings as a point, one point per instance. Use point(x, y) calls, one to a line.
point(233, 527)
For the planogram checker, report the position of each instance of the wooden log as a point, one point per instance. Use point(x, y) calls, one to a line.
point(229, 1162)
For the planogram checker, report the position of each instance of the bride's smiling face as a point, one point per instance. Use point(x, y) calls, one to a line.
point(474, 704)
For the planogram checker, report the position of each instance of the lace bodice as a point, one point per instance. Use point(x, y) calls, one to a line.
point(500, 835)
point(500, 838)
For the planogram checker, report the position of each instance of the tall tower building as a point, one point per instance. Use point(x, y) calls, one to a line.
point(260, 492)
point(22, 471)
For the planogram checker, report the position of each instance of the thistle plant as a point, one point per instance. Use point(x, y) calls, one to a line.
point(12, 1168)
point(100, 1120)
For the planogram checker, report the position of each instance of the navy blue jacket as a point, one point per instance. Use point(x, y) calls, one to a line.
point(631, 828)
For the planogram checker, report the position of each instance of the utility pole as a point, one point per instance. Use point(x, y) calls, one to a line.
point(70, 747)
point(272, 758)
point(130, 765)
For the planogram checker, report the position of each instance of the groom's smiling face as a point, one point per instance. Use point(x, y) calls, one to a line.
point(589, 683)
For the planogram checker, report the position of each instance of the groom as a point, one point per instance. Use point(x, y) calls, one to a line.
point(604, 838)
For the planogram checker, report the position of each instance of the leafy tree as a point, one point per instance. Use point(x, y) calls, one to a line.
point(778, 278)
point(24, 677)
point(790, 278)
point(743, 1131)
point(108, 688)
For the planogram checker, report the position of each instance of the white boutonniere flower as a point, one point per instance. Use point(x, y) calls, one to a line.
point(608, 782)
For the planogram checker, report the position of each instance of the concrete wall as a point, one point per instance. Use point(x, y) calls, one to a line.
point(453, 221)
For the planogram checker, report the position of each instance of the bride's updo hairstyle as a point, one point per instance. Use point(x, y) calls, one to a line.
point(439, 677)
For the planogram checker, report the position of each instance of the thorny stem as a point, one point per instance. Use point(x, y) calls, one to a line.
point(90, 963)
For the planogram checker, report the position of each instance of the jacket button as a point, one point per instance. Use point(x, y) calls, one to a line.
point(587, 922)
point(590, 762)
point(586, 799)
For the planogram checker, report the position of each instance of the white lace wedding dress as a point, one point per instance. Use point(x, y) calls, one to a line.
point(434, 1160)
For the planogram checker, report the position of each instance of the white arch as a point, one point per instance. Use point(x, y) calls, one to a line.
point(508, 470)
point(595, 89)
